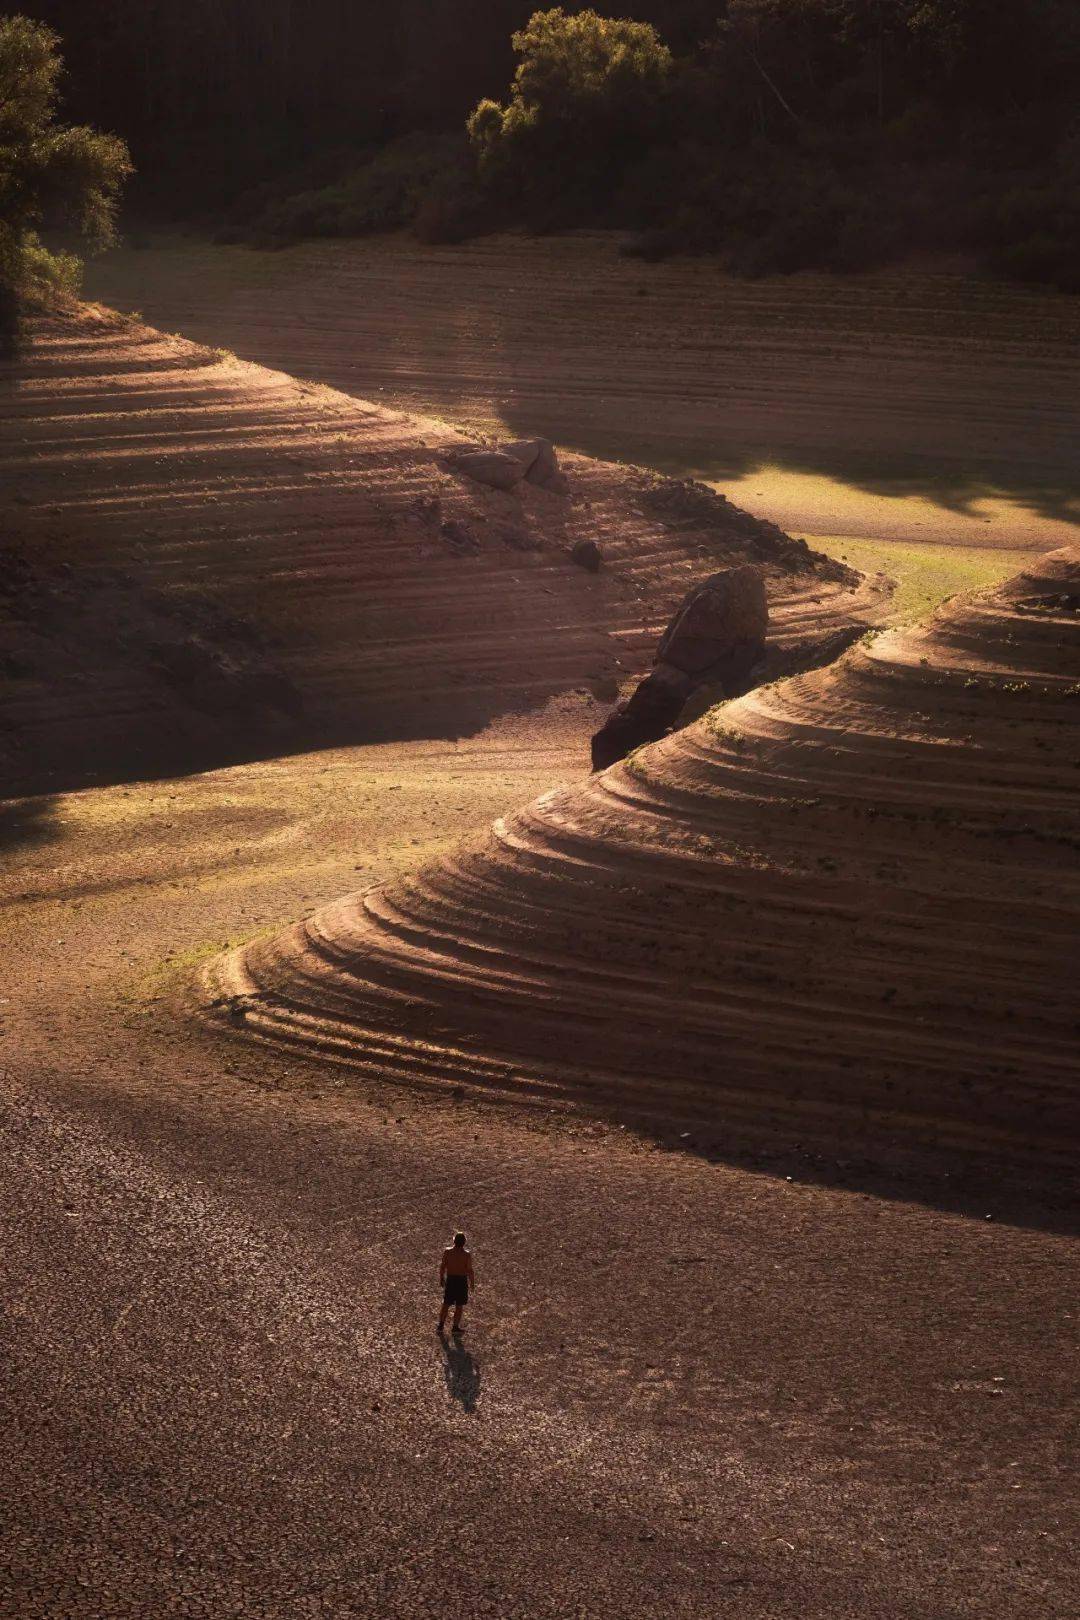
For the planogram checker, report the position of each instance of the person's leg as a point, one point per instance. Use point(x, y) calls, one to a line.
point(442, 1315)
point(457, 1319)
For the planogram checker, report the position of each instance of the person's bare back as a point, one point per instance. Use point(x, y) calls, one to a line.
point(456, 1277)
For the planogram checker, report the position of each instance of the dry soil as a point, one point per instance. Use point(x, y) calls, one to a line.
point(763, 1384)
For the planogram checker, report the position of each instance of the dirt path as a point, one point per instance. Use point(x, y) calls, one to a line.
point(687, 1388)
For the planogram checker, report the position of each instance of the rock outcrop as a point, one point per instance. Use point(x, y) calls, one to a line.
point(716, 636)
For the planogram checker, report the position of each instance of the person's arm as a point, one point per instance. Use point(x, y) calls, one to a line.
point(469, 1272)
point(442, 1268)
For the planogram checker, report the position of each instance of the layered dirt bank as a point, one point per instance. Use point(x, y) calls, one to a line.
point(850, 899)
point(915, 405)
point(206, 561)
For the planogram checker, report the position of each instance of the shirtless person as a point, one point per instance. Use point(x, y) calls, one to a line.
point(455, 1274)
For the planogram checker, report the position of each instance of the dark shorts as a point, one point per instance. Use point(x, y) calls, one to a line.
point(456, 1291)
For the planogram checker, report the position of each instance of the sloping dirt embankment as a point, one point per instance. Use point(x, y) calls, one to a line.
point(205, 561)
point(848, 900)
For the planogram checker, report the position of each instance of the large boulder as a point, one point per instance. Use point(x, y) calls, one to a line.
point(716, 636)
point(727, 611)
point(587, 555)
point(527, 451)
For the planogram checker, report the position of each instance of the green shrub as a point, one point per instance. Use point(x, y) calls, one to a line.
point(382, 193)
point(453, 211)
point(1042, 257)
point(767, 209)
point(1031, 232)
point(587, 99)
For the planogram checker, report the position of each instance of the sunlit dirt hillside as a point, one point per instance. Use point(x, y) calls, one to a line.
point(204, 560)
point(849, 900)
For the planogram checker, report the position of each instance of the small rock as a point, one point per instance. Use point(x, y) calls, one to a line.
point(587, 554)
point(458, 536)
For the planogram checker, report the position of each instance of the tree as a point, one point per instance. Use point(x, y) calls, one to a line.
point(585, 102)
point(49, 172)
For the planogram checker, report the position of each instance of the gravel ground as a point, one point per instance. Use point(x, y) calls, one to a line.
point(686, 1388)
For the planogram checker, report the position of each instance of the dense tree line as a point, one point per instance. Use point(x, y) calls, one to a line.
point(774, 132)
point(824, 133)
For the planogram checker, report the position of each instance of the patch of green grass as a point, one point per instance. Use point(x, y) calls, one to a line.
point(724, 734)
point(925, 575)
point(170, 971)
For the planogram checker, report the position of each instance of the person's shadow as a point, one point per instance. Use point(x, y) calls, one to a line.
point(462, 1374)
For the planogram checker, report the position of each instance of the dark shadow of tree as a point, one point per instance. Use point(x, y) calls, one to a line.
point(26, 821)
point(265, 307)
point(956, 490)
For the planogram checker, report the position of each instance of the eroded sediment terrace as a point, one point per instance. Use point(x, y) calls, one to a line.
point(848, 900)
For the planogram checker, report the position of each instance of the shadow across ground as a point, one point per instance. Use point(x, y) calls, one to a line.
point(865, 1157)
point(27, 822)
point(911, 381)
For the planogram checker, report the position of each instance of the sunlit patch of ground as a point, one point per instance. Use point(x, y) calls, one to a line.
point(931, 545)
point(926, 574)
point(894, 505)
